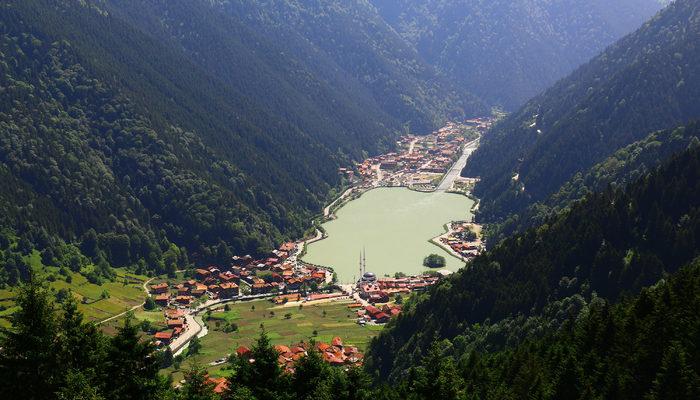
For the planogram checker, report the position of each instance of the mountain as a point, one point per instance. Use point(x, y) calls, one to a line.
point(645, 82)
point(644, 347)
point(608, 246)
point(624, 166)
point(140, 126)
point(332, 63)
point(506, 52)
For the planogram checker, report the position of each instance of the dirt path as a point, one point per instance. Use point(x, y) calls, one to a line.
point(145, 289)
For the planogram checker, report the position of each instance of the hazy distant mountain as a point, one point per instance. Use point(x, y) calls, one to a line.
point(328, 66)
point(507, 51)
point(647, 81)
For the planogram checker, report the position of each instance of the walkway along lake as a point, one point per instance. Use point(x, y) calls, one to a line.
point(394, 226)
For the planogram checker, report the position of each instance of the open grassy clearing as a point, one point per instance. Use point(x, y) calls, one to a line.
point(327, 319)
point(124, 293)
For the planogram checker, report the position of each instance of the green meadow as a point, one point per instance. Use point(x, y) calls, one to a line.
point(284, 325)
point(97, 302)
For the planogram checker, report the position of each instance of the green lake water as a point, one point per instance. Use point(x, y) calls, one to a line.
point(394, 226)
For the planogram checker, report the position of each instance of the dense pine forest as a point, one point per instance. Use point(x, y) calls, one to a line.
point(645, 82)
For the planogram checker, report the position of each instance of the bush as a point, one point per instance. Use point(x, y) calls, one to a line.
point(434, 261)
point(230, 327)
point(149, 304)
point(194, 347)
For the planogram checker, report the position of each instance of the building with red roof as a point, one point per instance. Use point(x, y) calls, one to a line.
point(159, 288)
point(164, 336)
point(202, 273)
point(242, 351)
point(162, 299)
point(220, 384)
point(282, 349)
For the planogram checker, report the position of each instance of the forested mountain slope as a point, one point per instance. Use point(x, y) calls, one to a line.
point(610, 245)
point(645, 347)
point(355, 41)
point(326, 66)
point(624, 166)
point(138, 125)
point(507, 51)
point(647, 81)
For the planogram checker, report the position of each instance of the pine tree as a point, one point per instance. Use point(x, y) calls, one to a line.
point(676, 379)
point(263, 377)
point(28, 362)
point(196, 386)
point(132, 367)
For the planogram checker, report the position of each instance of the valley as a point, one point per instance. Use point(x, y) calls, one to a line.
point(398, 203)
point(349, 199)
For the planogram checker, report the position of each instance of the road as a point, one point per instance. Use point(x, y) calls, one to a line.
point(412, 145)
point(327, 210)
point(350, 289)
point(193, 329)
point(457, 167)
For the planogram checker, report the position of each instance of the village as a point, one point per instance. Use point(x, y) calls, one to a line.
point(283, 280)
point(421, 162)
point(462, 240)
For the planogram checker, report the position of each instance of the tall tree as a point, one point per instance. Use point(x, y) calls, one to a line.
point(28, 359)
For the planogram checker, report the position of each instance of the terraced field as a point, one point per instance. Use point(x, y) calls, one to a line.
point(122, 294)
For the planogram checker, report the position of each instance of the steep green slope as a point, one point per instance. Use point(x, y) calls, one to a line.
point(355, 41)
point(624, 166)
point(291, 83)
point(650, 80)
point(77, 158)
point(610, 245)
point(136, 125)
point(506, 52)
point(645, 347)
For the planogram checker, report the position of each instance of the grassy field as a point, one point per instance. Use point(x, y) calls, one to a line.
point(327, 319)
point(124, 293)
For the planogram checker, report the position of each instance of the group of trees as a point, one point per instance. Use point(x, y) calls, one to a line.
point(624, 166)
point(434, 261)
point(52, 353)
point(649, 80)
point(606, 248)
point(645, 347)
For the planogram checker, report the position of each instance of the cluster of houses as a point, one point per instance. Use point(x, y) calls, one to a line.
point(176, 325)
point(462, 240)
point(375, 290)
point(334, 353)
point(421, 159)
point(272, 275)
point(377, 315)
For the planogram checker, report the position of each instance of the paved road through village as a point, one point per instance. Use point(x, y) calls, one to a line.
point(457, 167)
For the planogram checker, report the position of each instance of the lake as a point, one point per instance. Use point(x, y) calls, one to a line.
point(394, 226)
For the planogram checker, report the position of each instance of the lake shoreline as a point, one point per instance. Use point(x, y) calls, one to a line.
point(414, 213)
